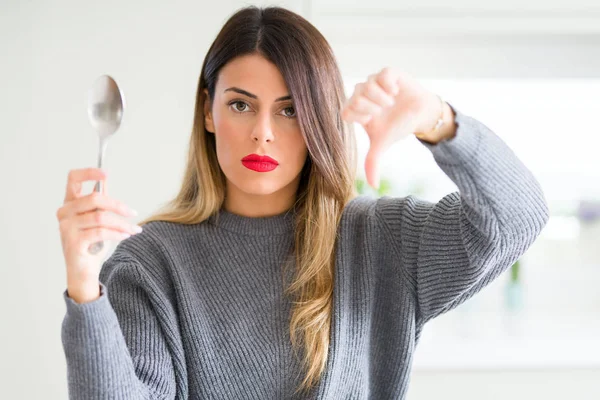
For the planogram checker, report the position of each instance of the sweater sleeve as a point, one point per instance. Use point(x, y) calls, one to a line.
point(451, 249)
point(114, 345)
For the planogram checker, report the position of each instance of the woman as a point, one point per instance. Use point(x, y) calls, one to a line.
point(271, 279)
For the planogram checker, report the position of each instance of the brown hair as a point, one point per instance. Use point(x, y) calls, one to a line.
point(308, 66)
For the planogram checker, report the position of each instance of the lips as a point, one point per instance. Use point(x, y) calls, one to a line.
point(257, 158)
point(259, 163)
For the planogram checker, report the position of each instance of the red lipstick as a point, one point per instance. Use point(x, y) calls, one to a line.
point(259, 163)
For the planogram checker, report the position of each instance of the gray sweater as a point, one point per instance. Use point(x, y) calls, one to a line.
point(198, 311)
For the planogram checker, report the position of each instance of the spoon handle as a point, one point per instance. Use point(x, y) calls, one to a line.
point(95, 248)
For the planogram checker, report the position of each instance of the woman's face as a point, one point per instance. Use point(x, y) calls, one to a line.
point(252, 113)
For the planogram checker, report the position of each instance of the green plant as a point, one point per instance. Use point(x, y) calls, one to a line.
point(362, 187)
point(514, 271)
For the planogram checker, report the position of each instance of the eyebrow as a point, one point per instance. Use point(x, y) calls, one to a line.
point(246, 93)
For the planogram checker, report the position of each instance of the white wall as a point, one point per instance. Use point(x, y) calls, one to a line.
point(53, 50)
point(505, 385)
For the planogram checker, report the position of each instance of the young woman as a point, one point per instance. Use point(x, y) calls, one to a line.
point(267, 277)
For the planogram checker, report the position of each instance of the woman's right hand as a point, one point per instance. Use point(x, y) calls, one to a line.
point(86, 219)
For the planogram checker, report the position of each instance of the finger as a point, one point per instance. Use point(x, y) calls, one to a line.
point(104, 219)
point(77, 176)
point(363, 105)
point(372, 166)
point(93, 235)
point(351, 116)
point(388, 79)
point(376, 93)
point(91, 202)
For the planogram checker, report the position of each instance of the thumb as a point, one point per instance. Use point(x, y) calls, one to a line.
point(372, 166)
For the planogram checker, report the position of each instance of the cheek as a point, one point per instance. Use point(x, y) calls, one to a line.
point(296, 149)
point(228, 134)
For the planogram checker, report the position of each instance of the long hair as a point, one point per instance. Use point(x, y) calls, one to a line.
point(308, 66)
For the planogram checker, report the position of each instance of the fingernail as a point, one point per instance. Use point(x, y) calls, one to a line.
point(137, 228)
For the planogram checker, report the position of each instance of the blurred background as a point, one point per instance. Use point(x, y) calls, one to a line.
point(530, 70)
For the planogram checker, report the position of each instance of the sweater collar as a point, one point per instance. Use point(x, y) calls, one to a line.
point(279, 224)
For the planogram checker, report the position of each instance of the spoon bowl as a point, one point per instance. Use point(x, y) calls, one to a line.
point(105, 112)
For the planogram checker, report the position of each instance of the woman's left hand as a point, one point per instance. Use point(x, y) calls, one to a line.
point(391, 105)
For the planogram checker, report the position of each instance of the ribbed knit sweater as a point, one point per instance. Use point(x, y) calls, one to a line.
point(199, 311)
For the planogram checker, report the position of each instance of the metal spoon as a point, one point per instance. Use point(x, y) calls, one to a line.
point(105, 111)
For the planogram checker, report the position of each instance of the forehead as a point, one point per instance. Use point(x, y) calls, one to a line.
point(254, 74)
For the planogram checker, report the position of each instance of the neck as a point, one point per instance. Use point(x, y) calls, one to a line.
point(257, 205)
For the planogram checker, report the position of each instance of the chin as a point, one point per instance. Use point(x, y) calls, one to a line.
point(258, 186)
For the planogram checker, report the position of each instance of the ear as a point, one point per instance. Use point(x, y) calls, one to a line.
point(208, 119)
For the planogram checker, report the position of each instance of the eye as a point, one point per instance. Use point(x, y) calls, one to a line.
point(236, 105)
point(288, 113)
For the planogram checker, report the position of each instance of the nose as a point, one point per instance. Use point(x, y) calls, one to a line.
point(263, 130)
